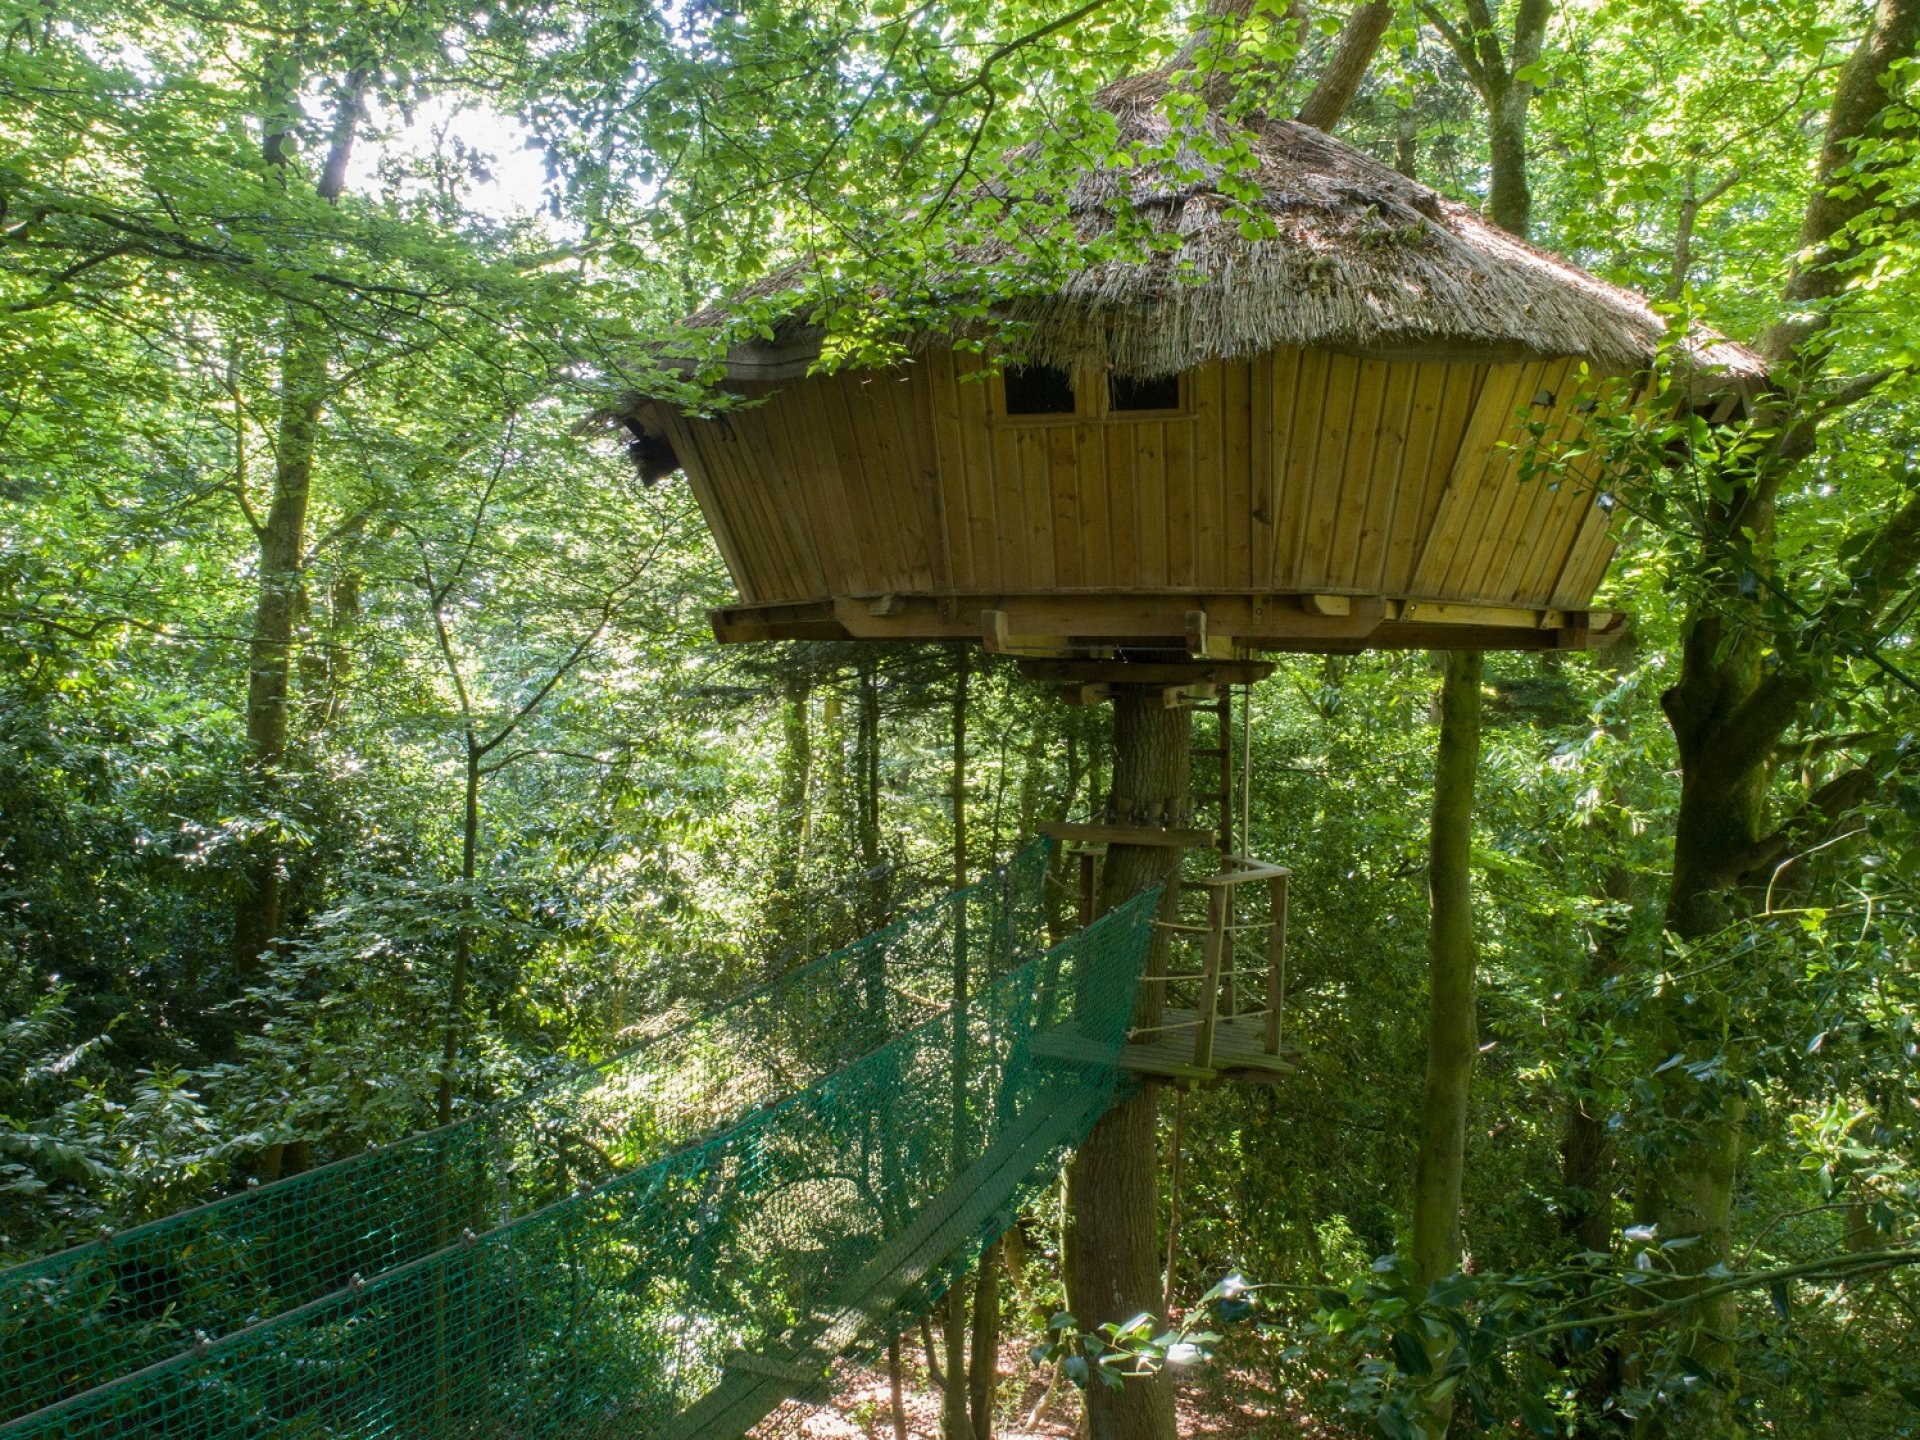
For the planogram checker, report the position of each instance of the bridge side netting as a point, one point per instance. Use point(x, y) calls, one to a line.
point(690, 1296)
point(80, 1318)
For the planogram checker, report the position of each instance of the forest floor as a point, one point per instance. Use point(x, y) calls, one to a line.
point(1222, 1400)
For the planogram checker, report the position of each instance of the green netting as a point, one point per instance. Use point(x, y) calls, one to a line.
point(82, 1317)
point(690, 1296)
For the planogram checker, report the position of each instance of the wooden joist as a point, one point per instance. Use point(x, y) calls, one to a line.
point(1220, 633)
point(1174, 837)
point(1146, 672)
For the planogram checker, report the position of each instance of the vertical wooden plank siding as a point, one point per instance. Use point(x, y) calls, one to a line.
point(1291, 471)
point(1096, 544)
point(1411, 512)
point(686, 441)
point(1150, 493)
point(1035, 479)
point(1123, 444)
point(1386, 479)
point(1323, 499)
point(1260, 460)
point(828, 401)
point(812, 451)
point(1575, 496)
point(1296, 458)
point(1236, 488)
point(986, 525)
point(1357, 474)
point(1062, 482)
point(1462, 513)
point(951, 468)
point(755, 532)
point(1514, 505)
point(911, 419)
point(788, 490)
point(1179, 493)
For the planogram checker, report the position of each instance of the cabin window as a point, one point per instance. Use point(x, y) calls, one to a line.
point(1160, 393)
point(1038, 390)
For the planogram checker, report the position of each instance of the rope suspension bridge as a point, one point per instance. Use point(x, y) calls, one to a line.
point(673, 1244)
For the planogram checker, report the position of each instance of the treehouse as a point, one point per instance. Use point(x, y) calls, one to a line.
point(1324, 437)
point(1312, 441)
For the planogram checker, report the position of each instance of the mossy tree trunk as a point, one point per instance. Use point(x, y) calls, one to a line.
point(1741, 687)
point(1453, 1037)
point(1501, 70)
point(1113, 1253)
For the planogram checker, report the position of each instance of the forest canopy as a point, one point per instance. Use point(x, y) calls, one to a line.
point(366, 756)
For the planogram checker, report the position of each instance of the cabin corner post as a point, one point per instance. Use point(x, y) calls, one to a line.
point(1112, 1182)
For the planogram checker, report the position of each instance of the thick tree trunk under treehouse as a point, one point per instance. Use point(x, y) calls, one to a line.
point(1452, 1027)
point(1113, 1258)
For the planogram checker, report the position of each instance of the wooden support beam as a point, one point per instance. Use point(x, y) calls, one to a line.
point(1083, 834)
point(1243, 873)
point(1147, 672)
point(1214, 627)
point(1276, 962)
point(1214, 944)
point(1086, 694)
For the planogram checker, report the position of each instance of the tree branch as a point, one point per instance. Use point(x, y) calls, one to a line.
point(1840, 194)
point(1340, 81)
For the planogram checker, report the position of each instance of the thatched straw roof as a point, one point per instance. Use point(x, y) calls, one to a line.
point(1362, 259)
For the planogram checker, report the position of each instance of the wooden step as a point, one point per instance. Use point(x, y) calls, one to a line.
point(1239, 1051)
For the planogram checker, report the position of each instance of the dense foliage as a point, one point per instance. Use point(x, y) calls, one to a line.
point(366, 755)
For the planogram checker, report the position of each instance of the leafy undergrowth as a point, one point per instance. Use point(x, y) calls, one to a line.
point(1224, 1399)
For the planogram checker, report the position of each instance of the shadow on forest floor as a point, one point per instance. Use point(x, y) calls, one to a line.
point(1222, 1400)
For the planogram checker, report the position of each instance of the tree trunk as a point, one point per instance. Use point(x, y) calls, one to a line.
point(1113, 1254)
point(1340, 81)
point(282, 554)
point(1509, 197)
point(794, 815)
point(1453, 1037)
point(1728, 711)
point(897, 1390)
point(867, 762)
point(283, 543)
point(954, 1421)
point(463, 932)
point(983, 1375)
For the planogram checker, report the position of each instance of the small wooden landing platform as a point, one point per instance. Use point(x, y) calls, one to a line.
point(1167, 1054)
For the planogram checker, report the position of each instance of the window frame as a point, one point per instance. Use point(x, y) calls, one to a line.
point(1092, 402)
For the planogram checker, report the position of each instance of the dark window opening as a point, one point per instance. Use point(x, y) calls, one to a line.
point(1162, 393)
point(1038, 390)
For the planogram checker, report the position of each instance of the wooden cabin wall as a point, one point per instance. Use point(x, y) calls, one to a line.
point(1296, 471)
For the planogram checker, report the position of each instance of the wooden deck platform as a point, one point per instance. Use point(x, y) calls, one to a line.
point(1238, 1052)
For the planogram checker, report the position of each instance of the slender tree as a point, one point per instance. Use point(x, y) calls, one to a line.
point(1452, 1030)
